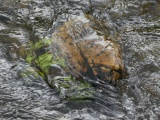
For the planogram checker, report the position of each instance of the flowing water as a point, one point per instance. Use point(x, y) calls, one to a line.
point(135, 24)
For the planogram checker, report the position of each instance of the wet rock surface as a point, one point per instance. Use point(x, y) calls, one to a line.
point(26, 96)
point(87, 53)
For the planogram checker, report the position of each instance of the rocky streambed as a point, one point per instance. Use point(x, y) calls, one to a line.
point(45, 77)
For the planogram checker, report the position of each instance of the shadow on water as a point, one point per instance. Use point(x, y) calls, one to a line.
point(25, 95)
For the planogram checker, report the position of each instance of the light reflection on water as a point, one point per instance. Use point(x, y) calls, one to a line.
point(137, 97)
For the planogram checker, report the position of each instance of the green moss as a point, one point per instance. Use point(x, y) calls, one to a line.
point(45, 60)
point(29, 58)
point(41, 74)
point(68, 86)
point(41, 43)
point(71, 89)
point(59, 60)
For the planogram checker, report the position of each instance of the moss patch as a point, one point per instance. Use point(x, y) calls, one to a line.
point(72, 89)
point(68, 87)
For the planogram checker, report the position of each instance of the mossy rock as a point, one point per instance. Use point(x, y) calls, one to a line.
point(52, 68)
point(76, 53)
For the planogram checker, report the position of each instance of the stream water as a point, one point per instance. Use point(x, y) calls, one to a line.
point(134, 23)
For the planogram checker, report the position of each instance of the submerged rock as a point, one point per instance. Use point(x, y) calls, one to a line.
point(86, 53)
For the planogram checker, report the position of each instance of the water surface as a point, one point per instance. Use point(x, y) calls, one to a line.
point(133, 24)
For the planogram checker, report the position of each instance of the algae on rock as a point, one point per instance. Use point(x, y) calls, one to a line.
point(68, 87)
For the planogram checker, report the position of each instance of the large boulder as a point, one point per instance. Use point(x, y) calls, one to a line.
point(86, 53)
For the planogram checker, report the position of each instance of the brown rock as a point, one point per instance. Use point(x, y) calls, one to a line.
point(86, 53)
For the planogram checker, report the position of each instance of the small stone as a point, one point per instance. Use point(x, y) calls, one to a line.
point(55, 70)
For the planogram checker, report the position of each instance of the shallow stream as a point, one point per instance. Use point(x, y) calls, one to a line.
point(135, 24)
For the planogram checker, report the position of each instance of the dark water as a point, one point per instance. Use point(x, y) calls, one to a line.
point(136, 24)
